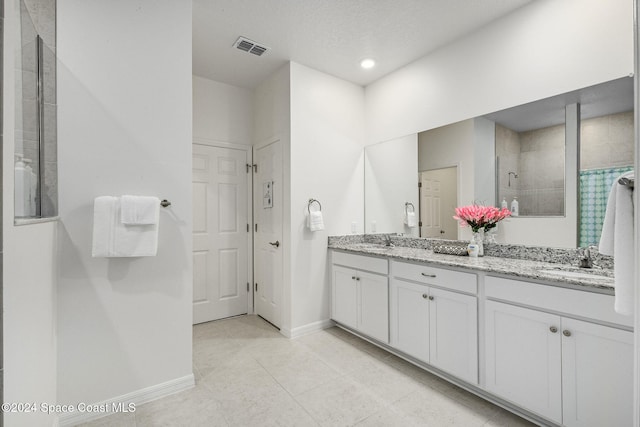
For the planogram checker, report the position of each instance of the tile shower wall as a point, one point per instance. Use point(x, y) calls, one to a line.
point(508, 147)
point(38, 17)
point(542, 171)
point(607, 141)
point(537, 157)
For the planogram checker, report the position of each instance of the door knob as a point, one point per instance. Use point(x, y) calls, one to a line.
point(553, 329)
point(566, 333)
point(276, 244)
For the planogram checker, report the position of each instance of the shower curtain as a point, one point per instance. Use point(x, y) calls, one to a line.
point(595, 185)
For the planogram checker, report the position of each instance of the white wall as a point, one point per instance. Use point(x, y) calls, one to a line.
point(390, 181)
point(124, 91)
point(272, 121)
point(221, 112)
point(29, 276)
point(545, 48)
point(327, 141)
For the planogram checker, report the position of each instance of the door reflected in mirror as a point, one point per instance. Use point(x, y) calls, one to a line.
point(438, 198)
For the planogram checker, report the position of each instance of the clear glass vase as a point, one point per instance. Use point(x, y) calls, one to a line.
point(478, 238)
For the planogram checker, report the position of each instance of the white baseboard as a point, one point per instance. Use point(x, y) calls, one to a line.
point(307, 329)
point(137, 397)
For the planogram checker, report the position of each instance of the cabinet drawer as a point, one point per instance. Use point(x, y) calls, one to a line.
point(361, 262)
point(456, 280)
point(551, 298)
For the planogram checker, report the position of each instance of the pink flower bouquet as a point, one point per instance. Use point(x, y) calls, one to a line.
point(478, 216)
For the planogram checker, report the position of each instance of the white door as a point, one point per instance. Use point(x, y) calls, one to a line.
point(344, 296)
point(220, 243)
point(267, 212)
point(453, 333)
point(373, 317)
point(438, 199)
point(597, 385)
point(523, 359)
point(409, 318)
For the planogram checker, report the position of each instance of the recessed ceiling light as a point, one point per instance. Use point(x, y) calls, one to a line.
point(367, 63)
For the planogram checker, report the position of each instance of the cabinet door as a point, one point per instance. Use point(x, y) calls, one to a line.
point(523, 362)
point(373, 317)
point(453, 333)
point(344, 298)
point(597, 375)
point(409, 308)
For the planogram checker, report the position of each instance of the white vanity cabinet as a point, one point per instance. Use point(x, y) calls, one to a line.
point(360, 294)
point(432, 319)
point(540, 357)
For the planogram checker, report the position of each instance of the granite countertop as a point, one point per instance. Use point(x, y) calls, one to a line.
point(598, 279)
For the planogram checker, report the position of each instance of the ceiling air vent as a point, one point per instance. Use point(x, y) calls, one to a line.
point(250, 46)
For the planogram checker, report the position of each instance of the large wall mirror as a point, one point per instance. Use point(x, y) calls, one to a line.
point(558, 157)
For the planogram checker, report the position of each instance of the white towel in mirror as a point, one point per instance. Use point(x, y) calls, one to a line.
point(410, 219)
point(315, 221)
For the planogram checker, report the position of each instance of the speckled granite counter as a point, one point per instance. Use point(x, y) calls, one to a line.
point(599, 280)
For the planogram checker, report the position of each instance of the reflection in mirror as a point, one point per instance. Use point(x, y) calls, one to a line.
point(606, 152)
point(438, 198)
point(576, 211)
point(530, 169)
point(390, 182)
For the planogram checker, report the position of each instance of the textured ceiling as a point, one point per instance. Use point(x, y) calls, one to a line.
point(330, 35)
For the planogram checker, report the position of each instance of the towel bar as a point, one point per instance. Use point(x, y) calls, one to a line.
point(629, 182)
point(406, 207)
point(312, 201)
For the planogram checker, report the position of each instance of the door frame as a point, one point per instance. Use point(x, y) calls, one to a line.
point(285, 249)
point(249, 156)
point(458, 186)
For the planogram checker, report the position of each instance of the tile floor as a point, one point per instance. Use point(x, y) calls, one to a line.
point(247, 374)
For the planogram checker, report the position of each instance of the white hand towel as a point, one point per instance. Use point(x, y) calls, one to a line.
point(617, 240)
point(112, 238)
point(316, 222)
point(104, 222)
point(140, 210)
point(410, 219)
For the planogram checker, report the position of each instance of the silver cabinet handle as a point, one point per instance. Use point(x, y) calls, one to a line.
point(553, 329)
point(566, 333)
point(425, 296)
point(428, 275)
point(276, 244)
point(353, 277)
point(357, 278)
point(430, 297)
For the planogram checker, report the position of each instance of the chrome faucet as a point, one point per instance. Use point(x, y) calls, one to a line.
point(387, 240)
point(585, 258)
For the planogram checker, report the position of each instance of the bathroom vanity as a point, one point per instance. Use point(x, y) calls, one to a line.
point(540, 339)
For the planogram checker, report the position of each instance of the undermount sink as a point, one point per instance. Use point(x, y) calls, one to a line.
point(572, 274)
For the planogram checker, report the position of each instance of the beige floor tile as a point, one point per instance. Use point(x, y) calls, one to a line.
point(195, 407)
point(280, 409)
point(340, 402)
point(387, 417)
point(115, 420)
point(386, 382)
point(342, 356)
point(430, 407)
point(504, 418)
point(297, 371)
